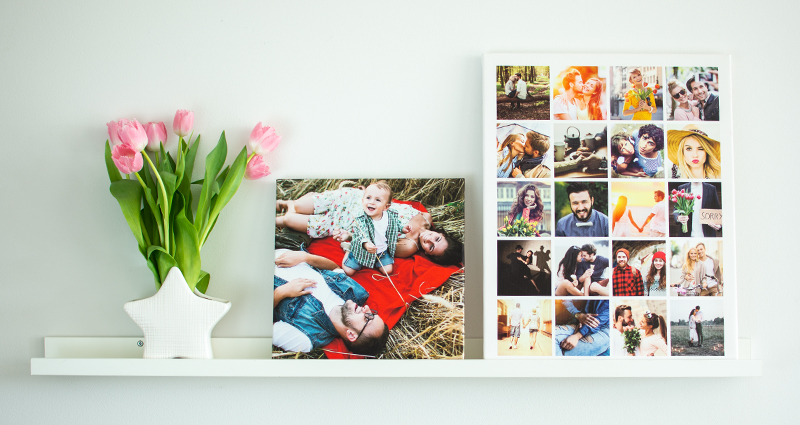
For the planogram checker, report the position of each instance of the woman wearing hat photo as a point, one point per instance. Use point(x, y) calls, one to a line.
point(693, 154)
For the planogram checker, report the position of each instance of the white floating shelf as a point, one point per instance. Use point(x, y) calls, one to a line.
point(249, 357)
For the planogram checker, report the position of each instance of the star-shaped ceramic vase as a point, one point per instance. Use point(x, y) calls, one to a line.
point(177, 322)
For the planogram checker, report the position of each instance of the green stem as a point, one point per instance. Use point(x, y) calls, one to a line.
point(160, 230)
point(146, 236)
point(164, 205)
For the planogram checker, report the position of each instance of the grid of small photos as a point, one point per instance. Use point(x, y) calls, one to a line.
point(609, 211)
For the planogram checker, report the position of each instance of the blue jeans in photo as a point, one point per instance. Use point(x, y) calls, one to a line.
point(596, 344)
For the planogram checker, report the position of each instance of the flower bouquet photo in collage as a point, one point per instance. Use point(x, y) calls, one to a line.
point(696, 268)
point(582, 328)
point(583, 268)
point(579, 93)
point(369, 269)
point(524, 327)
point(639, 328)
point(524, 209)
point(640, 268)
point(693, 94)
point(581, 209)
point(523, 150)
point(638, 209)
point(694, 151)
point(523, 92)
point(697, 327)
point(580, 150)
point(637, 150)
point(523, 267)
point(636, 93)
point(696, 209)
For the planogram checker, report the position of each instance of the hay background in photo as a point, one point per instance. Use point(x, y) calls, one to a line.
point(514, 278)
point(621, 86)
point(672, 149)
point(639, 307)
point(432, 327)
point(709, 200)
point(536, 106)
point(508, 192)
point(640, 202)
point(561, 246)
point(679, 248)
point(541, 341)
point(580, 150)
point(565, 318)
point(587, 72)
point(708, 75)
point(641, 259)
point(598, 190)
point(542, 128)
point(713, 327)
point(632, 131)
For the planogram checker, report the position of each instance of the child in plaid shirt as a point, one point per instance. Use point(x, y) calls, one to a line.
point(375, 232)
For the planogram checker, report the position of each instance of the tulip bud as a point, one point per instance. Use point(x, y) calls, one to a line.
point(132, 133)
point(698, 196)
point(156, 135)
point(113, 137)
point(263, 139)
point(183, 122)
point(127, 159)
point(657, 86)
point(256, 168)
point(674, 191)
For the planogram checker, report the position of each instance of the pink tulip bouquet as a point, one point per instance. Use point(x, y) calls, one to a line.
point(684, 204)
point(157, 200)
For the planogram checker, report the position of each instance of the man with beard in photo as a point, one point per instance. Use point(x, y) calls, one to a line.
point(315, 302)
point(584, 221)
point(707, 102)
point(623, 321)
point(626, 280)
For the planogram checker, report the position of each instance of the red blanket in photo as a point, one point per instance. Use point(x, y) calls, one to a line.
point(412, 277)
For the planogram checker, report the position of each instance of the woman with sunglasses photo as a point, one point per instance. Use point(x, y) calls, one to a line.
point(686, 109)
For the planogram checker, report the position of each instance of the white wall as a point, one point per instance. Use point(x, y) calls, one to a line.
point(400, 79)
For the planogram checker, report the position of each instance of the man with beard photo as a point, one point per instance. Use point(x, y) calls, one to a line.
point(623, 321)
point(707, 102)
point(627, 281)
point(315, 302)
point(584, 221)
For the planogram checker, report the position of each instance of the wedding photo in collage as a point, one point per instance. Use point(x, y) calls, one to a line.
point(603, 228)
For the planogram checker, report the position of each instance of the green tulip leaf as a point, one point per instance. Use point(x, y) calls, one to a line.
point(113, 172)
point(128, 194)
point(185, 186)
point(164, 262)
point(214, 162)
point(229, 188)
point(152, 266)
point(187, 250)
point(202, 284)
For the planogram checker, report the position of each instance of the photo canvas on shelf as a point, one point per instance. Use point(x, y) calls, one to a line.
point(608, 224)
point(369, 268)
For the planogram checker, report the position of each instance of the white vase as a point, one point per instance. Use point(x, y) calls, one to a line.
point(177, 322)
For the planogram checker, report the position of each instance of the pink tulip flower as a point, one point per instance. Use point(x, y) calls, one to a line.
point(256, 168)
point(156, 135)
point(183, 122)
point(132, 133)
point(698, 197)
point(127, 159)
point(263, 139)
point(113, 137)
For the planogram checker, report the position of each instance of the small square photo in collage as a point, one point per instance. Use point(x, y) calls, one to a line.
point(603, 211)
